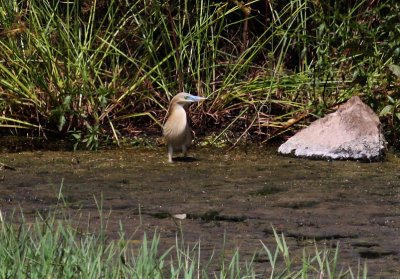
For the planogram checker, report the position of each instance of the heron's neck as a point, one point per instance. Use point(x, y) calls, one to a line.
point(178, 113)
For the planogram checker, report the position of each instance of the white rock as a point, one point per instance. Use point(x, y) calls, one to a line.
point(352, 132)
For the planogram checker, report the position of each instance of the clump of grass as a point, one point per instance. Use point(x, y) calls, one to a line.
point(55, 248)
point(319, 264)
point(58, 68)
point(100, 70)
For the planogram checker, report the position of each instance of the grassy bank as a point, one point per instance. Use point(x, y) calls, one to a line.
point(100, 71)
point(53, 247)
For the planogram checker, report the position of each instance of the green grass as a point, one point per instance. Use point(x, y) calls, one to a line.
point(99, 71)
point(53, 247)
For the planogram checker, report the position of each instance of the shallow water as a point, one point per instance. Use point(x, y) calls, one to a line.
point(237, 196)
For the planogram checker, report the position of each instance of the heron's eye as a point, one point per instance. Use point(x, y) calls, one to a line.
point(186, 97)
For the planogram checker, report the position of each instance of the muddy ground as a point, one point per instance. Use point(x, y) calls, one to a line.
point(237, 196)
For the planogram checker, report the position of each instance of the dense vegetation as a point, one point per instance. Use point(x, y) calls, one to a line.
point(53, 247)
point(99, 71)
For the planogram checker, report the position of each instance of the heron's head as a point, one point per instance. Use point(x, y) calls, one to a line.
point(185, 98)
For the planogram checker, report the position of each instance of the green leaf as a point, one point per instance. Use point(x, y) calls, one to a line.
point(76, 135)
point(390, 99)
point(395, 69)
point(67, 101)
point(386, 110)
point(61, 122)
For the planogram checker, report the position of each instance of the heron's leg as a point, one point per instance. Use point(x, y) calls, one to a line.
point(170, 152)
point(184, 150)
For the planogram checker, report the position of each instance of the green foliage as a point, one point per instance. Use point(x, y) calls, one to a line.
point(96, 70)
point(55, 65)
point(54, 248)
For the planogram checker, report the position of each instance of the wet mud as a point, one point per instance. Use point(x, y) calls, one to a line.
point(231, 200)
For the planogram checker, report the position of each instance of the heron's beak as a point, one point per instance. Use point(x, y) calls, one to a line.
point(193, 98)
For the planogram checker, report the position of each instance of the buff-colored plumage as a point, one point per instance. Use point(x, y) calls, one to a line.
point(177, 132)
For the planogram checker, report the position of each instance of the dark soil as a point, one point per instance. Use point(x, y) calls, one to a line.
point(232, 200)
